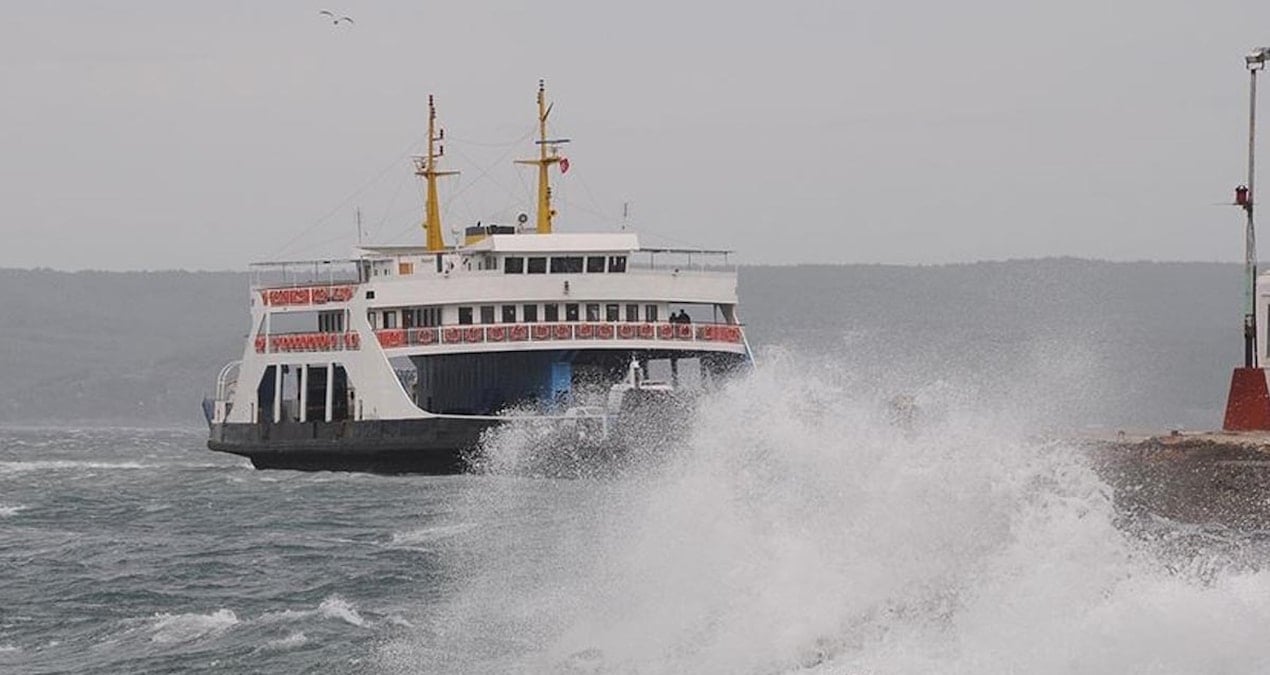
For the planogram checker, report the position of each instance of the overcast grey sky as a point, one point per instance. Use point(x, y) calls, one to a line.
point(150, 134)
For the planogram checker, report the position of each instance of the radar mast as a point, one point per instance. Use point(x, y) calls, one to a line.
point(548, 154)
point(426, 166)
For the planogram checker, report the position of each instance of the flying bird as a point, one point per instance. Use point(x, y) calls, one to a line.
point(336, 20)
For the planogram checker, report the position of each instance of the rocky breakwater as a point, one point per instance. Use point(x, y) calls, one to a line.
point(1195, 477)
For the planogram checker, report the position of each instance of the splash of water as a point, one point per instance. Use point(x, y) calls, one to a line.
point(798, 529)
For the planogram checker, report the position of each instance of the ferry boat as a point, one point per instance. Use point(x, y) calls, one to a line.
point(400, 358)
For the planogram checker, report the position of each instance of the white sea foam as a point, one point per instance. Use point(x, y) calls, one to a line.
point(287, 643)
point(798, 529)
point(428, 535)
point(335, 607)
point(188, 627)
point(9, 649)
point(12, 467)
point(7, 510)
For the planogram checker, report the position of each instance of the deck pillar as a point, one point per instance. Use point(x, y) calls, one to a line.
point(304, 393)
point(277, 393)
point(330, 390)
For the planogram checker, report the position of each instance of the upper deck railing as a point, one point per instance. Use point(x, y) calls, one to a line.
point(287, 274)
point(681, 259)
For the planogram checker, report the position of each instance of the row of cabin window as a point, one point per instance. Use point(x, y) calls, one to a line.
point(421, 317)
point(551, 313)
point(566, 264)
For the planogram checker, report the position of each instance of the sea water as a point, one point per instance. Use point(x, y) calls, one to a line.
point(795, 527)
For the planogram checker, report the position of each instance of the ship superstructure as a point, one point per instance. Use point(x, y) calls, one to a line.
point(398, 359)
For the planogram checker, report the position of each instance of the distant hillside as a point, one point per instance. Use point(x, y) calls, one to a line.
point(1146, 344)
point(135, 347)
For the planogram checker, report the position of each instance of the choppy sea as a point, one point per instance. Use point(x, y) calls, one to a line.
point(796, 528)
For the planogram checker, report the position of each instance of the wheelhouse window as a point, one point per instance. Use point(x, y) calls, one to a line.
point(571, 311)
point(529, 313)
point(487, 314)
point(595, 264)
point(465, 315)
point(390, 319)
point(566, 264)
point(514, 265)
point(610, 312)
point(551, 312)
point(632, 312)
point(617, 264)
point(650, 312)
point(593, 311)
point(509, 313)
point(537, 265)
point(409, 317)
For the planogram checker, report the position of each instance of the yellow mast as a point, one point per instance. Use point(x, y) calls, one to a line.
point(545, 160)
point(427, 167)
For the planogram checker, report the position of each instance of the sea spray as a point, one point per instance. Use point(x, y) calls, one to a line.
point(798, 527)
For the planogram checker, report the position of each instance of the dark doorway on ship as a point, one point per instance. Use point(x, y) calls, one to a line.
point(315, 396)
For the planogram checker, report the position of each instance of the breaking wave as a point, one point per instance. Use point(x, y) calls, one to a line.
point(66, 465)
point(289, 642)
point(336, 607)
point(189, 627)
point(7, 510)
point(803, 526)
point(428, 535)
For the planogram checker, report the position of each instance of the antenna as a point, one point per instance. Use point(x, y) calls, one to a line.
point(358, 213)
point(626, 215)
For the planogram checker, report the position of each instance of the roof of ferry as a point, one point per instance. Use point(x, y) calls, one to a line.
point(557, 242)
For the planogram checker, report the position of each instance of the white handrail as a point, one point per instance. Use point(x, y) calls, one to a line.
point(223, 383)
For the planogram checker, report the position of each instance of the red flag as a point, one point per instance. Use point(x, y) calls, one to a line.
point(564, 165)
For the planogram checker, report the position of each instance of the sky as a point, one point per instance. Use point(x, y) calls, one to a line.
point(150, 134)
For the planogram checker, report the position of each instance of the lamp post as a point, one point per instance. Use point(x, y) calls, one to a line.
point(1244, 196)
